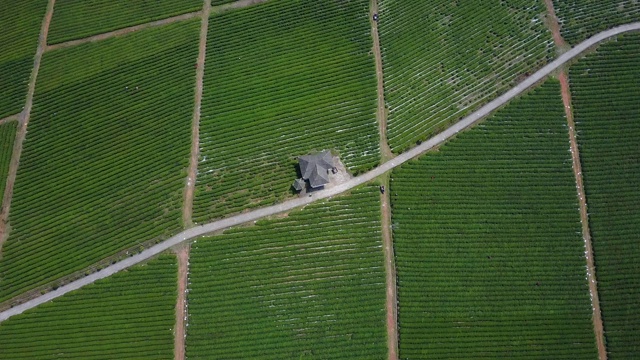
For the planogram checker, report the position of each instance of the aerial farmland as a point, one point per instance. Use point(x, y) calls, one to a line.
point(319, 179)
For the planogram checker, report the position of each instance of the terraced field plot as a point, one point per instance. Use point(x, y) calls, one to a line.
point(580, 19)
point(307, 286)
point(488, 245)
point(605, 90)
point(283, 79)
point(75, 19)
point(7, 137)
point(443, 59)
point(19, 28)
point(128, 316)
point(103, 164)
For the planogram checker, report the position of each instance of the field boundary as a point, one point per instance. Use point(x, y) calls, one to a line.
point(179, 333)
point(10, 118)
point(23, 119)
point(390, 271)
point(561, 46)
point(187, 206)
point(199, 231)
point(170, 20)
point(381, 111)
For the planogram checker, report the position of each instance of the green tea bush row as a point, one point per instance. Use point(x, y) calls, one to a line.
point(489, 251)
point(444, 59)
point(7, 137)
point(127, 316)
point(283, 79)
point(105, 156)
point(310, 285)
point(605, 91)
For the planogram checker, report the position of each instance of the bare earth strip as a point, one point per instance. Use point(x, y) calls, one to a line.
point(181, 303)
point(582, 198)
point(435, 141)
point(15, 117)
point(381, 113)
point(390, 271)
point(187, 207)
point(235, 5)
point(22, 128)
point(124, 31)
point(584, 220)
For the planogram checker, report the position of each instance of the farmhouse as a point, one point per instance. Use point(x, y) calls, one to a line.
point(314, 168)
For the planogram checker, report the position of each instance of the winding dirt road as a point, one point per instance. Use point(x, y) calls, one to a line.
point(254, 215)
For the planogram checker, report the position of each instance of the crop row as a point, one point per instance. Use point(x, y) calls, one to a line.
point(580, 19)
point(443, 59)
point(310, 285)
point(78, 19)
point(7, 137)
point(489, 252)
point(103, 164)
point(605, 91)
point(127, 316)
point(283, 79)
point(19, 28)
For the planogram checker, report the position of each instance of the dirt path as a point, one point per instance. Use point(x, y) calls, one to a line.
point(390, 271)
point(15, 117)
point(562, 47)
point(256, 214)
point(584, 219)
point(235, 5)
point(124, 31)
point(181, 303)
point(22, 128)
point(381, 112)
point(187, 207)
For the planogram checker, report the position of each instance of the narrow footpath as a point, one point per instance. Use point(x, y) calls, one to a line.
point(15, 117)
point(22, 128)
point(187, 207)
point(390, 271)
point(381, 112)
point(582, 198)
point(181, 304)
point(253, 215)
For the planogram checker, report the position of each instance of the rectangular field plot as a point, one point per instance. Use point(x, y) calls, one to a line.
point(489, 251)
point(76, 19)
point(127, 316)
point(283, 79)
point(105, 156)
point(580, 19)
point(310, 285)
point(7, 137)
point(20, 23)
point(443, 59)
point(606, 88)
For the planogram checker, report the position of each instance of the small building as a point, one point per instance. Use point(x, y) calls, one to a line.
point(315, 168)
point(299, 184)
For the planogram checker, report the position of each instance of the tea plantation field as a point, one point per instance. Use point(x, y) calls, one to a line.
point(489, 251)
point(580, 19)
point(127, 316)
point(283, 79)
point(606, 89)
point(7, 137)
point(443, 59)
point(75, 19)
point(310, 285)
point(19, 28)
point(103, 164)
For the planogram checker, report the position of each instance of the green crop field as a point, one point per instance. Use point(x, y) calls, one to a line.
point(19, 28)
point(443, 59)
point(580, 19)
point(7, 137)
point(75, 19)
point(489, 251)
point(127, 316)
point(307, 286)
point(283, 79)
point(606, 88)
point(105, 157)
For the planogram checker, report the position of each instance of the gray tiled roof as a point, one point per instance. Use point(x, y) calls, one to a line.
point(315, 168)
